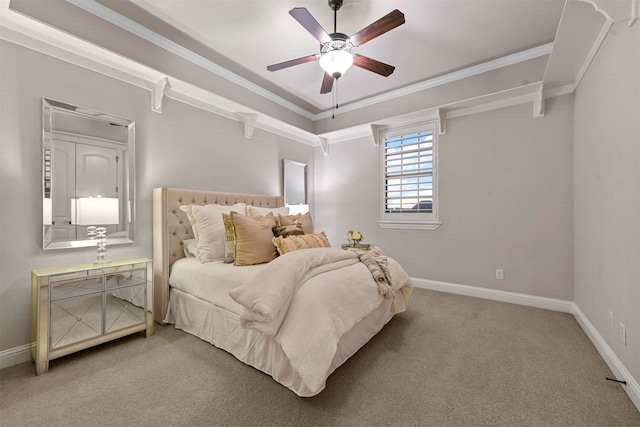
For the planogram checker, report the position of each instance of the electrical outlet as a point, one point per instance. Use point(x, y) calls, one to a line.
point(623, 333)
point(500, 274)
point(610, 320)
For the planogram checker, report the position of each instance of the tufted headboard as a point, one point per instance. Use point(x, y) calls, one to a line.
point(171, 227)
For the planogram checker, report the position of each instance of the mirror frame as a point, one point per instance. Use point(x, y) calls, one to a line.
point(128, 192)
point(291, 167)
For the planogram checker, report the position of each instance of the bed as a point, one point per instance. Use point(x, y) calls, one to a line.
point(291, 333)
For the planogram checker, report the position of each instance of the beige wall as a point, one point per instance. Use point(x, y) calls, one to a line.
point(505, 202)
point(607, 192)
point(182, 147)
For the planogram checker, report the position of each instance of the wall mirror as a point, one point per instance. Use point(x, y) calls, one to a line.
point(295, 182)
point(88, 176)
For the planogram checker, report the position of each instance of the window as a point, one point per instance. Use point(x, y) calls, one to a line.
point(409, 184)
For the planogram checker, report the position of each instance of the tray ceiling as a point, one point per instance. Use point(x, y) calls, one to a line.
point(439, 36)
point(450, 55)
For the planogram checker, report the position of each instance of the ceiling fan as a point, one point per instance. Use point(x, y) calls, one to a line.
point(335, 49)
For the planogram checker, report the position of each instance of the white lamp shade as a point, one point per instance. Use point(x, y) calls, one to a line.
point(336, 62)
point(95, 211)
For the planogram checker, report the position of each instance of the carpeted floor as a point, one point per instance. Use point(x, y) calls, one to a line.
point(449, 360)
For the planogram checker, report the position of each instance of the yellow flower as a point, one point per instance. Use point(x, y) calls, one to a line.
point(354, 235)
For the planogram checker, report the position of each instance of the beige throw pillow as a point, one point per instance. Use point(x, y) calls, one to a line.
point(253, 236)
point(306, 241)
point(302, 219)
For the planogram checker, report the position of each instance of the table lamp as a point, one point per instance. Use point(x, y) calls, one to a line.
point(95, 213)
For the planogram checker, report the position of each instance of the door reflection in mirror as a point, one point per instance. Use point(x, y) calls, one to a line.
point(86, 154)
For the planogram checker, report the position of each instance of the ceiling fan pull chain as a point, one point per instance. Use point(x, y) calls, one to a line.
point(333, 93)
point(335, 98)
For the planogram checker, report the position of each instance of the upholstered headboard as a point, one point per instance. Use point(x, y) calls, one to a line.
point(170, 228)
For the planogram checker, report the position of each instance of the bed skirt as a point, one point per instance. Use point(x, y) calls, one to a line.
point(221, 328)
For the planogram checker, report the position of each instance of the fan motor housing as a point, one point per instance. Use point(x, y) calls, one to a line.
point(339, 41)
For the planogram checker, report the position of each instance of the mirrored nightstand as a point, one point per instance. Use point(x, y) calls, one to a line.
point(80, 306)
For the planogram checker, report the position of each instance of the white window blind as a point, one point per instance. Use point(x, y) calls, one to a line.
point(408, 164)
point(409, 190)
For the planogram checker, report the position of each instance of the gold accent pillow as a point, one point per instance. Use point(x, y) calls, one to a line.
point(229, 239)
point(302, 219)
point(305, 241)
point(253, 236)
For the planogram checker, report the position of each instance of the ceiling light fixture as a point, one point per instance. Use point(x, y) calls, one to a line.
point(335, 55)
point(336, 62)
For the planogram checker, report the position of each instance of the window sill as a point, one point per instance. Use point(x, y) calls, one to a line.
point(409, 225)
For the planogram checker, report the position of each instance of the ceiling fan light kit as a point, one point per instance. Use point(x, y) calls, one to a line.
point(335, 55)
point(336, 62)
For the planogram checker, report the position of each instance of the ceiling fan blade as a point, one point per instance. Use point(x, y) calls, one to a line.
point(381, 26)
point(305, 19)
point(327, 83)
point(291, 63)
point(373, 65)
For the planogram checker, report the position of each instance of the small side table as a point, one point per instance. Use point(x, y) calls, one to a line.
point(362, 246)
point(80, 306)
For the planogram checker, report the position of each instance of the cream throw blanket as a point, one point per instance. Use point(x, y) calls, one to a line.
point(309, 299)
point(266, 298)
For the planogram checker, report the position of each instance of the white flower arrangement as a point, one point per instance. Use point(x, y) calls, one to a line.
point(355, 235)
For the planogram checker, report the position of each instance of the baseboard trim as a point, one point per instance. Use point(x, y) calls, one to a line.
point(617, 367)
point(21, 354)
point(15, 356)
point(496, 295)
point(632, 388)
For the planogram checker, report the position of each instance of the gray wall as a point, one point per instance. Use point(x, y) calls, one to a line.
point(183, 147)
point(517, 193)
point(505, 202)
point(607, 192)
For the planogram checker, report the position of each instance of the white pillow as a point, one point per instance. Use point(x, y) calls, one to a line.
point(258, 211)
point(190, 247)
point(208, 227)
point(187, 210)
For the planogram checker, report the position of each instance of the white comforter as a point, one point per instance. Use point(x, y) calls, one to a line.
point(309, 299)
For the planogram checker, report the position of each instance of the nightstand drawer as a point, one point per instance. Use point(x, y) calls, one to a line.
point(76, 287)
point(123, 279)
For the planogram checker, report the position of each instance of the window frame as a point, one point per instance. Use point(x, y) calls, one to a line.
point(407, 220)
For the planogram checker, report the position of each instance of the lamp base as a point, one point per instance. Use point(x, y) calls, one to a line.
point(100, 263)
point(101, 234)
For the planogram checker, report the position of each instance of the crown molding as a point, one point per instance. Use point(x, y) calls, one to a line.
point(126, 24)
point(534, 93)
point(485, 67)
point(115, 18)
point(31, 34)
point(617, 10)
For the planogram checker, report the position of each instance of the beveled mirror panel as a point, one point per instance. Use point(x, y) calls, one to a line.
point(295, 182)
point(87, 161)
